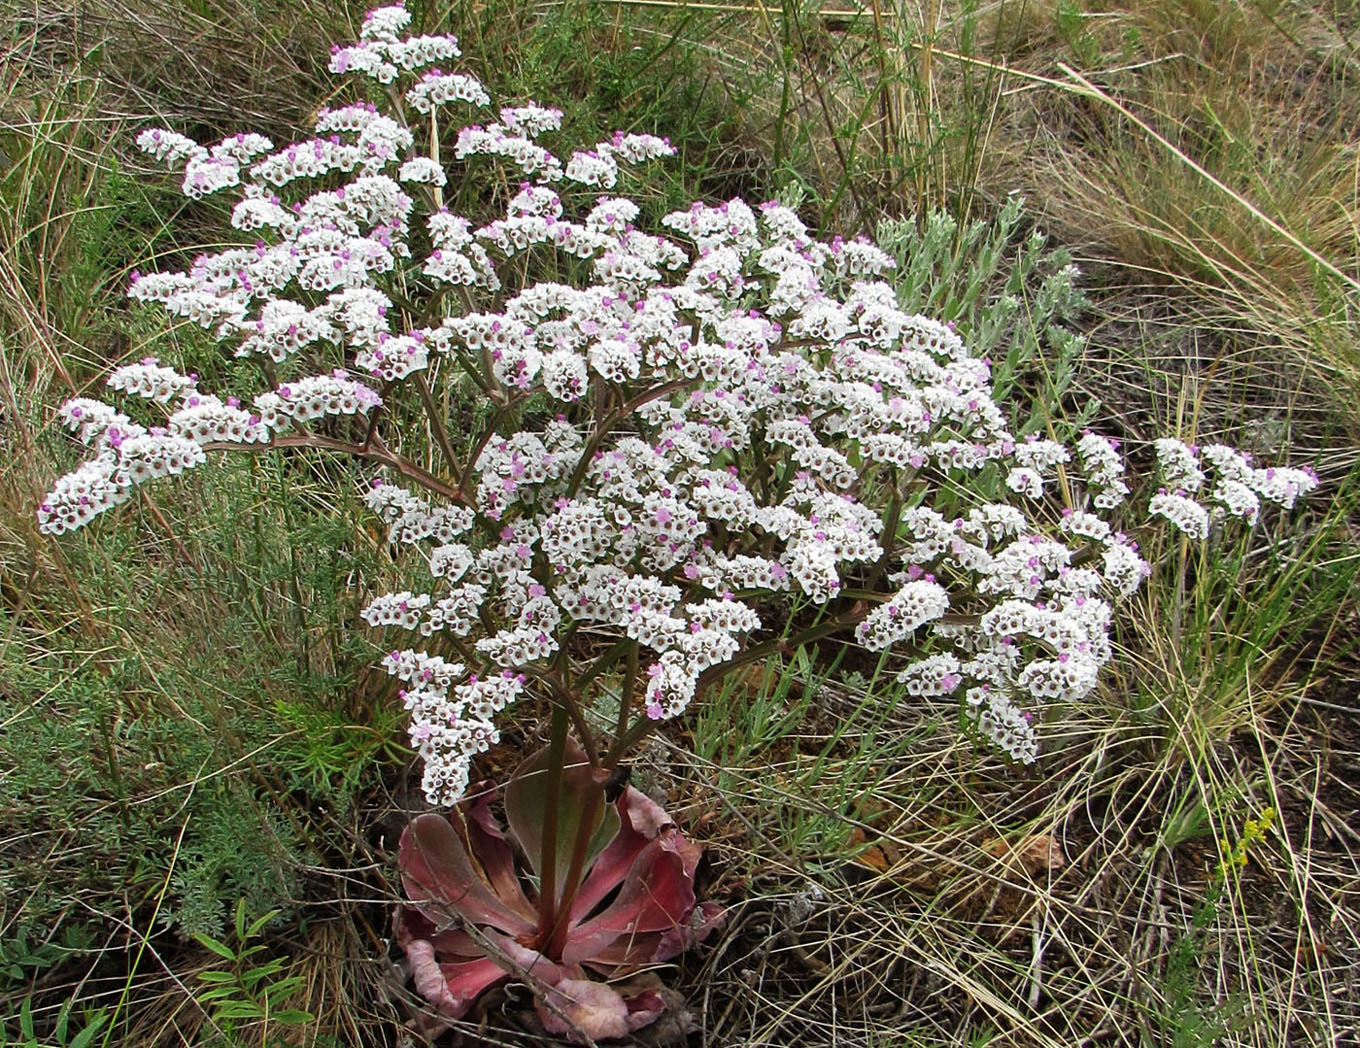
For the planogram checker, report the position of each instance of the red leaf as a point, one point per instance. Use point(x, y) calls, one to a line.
point(644, 1009)
point(441, 881)
point(638, 825)
point(705, 918)
point(656, 896)
point(488, 845)
point(472, 923)
point(450, 986)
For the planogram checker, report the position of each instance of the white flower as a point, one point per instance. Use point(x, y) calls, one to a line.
point(82, 495)
point(396, 609)
point(1104, 469)
point(152, 455)
point(1184, 513)
point(417, 51)
point(531, 120)
point(89, 419)
point(911, 607)
point(442, 88)
point(394, 357)
point(384, 23)
point(932, 676)
point(1025, 482)
point(1283, 485)
point(1238, 499)
point(1123, 569)
point(205, 175)
point(1041, 455)
point(150, 379)
point(1179, 464)
point(368, 58)
point(169, 146)
point(423, 170)
point(205, 419)
point(1087, 525)
point(592, 169)
point(860, 257)
point(1002, 724)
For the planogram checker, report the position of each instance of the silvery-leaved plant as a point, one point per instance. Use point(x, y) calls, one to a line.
point(700, 442)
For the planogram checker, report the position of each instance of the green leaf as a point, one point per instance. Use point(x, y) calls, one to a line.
point(218, 977)
point(526, 807)
point(254, 975)
point(26, 1020)
point(258, 923)
point(96, 1023)
point(241, 919)
point(217, 947)
point(239, 1010)
point(282, 989)
point(293, 1016)
point(221, 993)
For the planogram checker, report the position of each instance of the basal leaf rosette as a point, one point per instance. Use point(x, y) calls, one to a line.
point(473, 921)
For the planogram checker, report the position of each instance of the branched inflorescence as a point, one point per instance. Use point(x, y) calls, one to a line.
point(720, 423)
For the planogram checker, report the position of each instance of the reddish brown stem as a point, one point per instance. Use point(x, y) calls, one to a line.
point(594, 809)
point(375, 450)
point(547, 864)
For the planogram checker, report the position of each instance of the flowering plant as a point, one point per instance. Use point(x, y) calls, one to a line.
point(697, 447)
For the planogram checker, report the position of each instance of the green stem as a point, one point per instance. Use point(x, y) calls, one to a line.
point(625, 742)
point(625, 410)
point(602, 663)
point(643, 725)
point(547, 867)
point(482, 441)
point(812, 634)
point(372, 431)
point(472, 371)
point(565, 695)
point(441, 434)
point(626, 692)
point(585, 830)
point(578, 722)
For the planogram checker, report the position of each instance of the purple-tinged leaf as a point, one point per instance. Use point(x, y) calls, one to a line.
point(642, 820)
point(657, 896)
point(705, 918)
point(488, 845)
point(644, 1008)
point(472, 924)
point(449, 985)
point(442, 882)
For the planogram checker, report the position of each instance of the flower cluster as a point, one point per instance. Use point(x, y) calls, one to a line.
point(1237, 490)
point(713, 427)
